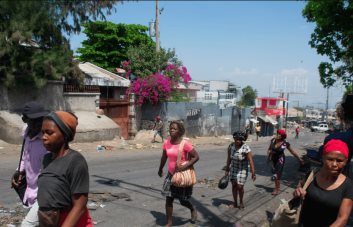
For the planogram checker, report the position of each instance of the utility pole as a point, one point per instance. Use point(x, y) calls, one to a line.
point(287, 112)
point(157, 27)
point(326, 111)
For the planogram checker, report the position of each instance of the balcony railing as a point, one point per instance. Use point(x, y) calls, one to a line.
point(81, 88)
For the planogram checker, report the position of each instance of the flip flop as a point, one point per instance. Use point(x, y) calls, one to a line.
point(241, 207)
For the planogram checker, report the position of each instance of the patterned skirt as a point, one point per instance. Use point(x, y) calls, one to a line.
point(170, 190)
point(238, 175)
point(277, 166)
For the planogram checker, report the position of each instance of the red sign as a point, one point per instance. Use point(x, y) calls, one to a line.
point(271, 106)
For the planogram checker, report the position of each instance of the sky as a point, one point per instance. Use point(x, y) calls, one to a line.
point(244, 42)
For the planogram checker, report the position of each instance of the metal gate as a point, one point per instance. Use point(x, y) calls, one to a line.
point(193, 122)
point(118, 111)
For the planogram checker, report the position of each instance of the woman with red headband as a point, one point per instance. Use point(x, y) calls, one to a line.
point(328, 200)
point(276, 156)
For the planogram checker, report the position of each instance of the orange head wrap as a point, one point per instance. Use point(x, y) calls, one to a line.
point(67, 123)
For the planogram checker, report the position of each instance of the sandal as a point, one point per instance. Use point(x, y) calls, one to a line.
point(241, 206)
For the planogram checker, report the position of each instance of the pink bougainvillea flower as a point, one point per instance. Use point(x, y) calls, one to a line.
point(157, 86)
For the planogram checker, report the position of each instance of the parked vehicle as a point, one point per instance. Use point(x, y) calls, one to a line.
point(320, 128)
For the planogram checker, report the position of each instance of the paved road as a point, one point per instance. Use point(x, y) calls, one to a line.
point(126, 188)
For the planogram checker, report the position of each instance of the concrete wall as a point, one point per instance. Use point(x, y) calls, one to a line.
point(3, 98)
point(11, 126)
point(199, 119)
point(91, 126)
point(51, 96)
point(81, 101)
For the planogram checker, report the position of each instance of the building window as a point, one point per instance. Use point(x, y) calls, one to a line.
point(208, 96)
point(229, 96)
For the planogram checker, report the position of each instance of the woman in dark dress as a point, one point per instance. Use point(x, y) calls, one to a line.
point(328, 200)
point(276, 155)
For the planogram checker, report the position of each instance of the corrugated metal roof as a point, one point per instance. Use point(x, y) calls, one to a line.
point(268, 120)
point(99, 76)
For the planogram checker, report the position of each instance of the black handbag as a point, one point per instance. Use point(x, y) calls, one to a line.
point(223, 182)
point(21, 188)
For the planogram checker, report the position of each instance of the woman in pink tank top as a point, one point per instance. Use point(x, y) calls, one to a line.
point(170, 152)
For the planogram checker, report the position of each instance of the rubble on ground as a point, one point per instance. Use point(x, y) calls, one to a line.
point(13, 217)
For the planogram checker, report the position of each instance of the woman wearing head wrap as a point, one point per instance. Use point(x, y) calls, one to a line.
point(344, 113)
point(277, 158)
point(238, 160)
point(64, 180)
point(328, 199)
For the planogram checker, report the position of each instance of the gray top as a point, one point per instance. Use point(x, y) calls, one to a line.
point(61, 178)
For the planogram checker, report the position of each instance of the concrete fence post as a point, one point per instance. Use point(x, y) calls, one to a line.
point(132, 116)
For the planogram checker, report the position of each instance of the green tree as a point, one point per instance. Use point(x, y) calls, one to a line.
point(332, 37)
point(248, 97)
point(144, 60)
point(107, 43)
point(33, 47)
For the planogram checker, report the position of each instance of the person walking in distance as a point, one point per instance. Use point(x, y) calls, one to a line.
point(238, 160)
point(258, 131)
point(277, 158)
point(188, 156)
point(297, 131)
point(157, 128)
point(33, 153)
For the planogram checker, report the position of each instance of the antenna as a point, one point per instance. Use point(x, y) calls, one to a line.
point(289, 85)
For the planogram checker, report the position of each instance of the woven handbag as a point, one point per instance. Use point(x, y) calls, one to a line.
point(184, 178)
point(288, 212)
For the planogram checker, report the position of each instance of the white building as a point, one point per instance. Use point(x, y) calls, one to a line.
point(221, 92)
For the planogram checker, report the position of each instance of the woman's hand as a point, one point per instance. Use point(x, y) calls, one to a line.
point(253, 176)
point(181, 167)
point(301, 160)
point(160, 173)
point(226, 173)
point(299, 192)
point(14, 183)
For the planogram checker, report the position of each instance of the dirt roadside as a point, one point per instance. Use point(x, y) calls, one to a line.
point(142, 142)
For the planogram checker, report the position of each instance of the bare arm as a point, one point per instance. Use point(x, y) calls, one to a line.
point(194, 157)
point(228, 161)
point(269, 154)
point(269, 149)
point(343, 213)
point(252, 166)
point(295, 154)
point(79, 202)
point(162, 163)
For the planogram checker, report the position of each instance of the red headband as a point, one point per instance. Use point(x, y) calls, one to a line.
point(336, 145)
point(282, 133)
